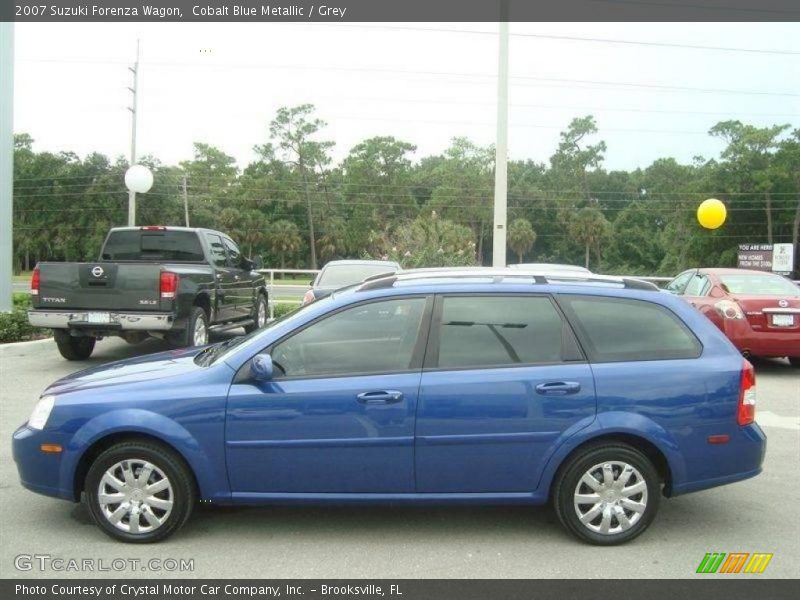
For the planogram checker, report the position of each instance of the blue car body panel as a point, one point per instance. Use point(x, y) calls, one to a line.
point(482, 435)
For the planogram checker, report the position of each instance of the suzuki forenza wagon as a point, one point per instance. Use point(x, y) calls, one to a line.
point(600, 395)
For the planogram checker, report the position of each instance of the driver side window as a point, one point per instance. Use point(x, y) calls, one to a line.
point(373, 338)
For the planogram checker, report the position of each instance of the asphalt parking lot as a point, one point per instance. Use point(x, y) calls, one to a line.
point(758, 515)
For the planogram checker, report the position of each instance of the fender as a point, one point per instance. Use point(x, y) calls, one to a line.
point(610, 423)
point(211, 478)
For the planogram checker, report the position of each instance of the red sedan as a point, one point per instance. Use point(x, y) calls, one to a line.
point(758, 311)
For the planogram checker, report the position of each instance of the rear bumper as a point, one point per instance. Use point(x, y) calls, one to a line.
point(767, 343)
point(127, 321)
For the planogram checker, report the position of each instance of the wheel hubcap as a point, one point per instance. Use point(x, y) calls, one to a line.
point(135, 496)
point(610, 498)
point(261, 318)
point(200, 333)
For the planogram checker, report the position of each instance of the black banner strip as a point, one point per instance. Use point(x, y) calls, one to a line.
point(397, 10)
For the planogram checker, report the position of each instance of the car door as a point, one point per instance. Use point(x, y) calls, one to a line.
point(503, 380)
point(696, 293)
point(242, 287)
point(224, 279)
point(338, 414)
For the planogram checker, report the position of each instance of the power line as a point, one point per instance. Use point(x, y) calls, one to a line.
point(575, 38)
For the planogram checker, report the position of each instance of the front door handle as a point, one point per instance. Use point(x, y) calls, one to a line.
point(382, 397)
point(558, 388)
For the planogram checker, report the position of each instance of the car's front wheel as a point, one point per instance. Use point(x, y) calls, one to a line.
point(608, 494)
point(139, 492)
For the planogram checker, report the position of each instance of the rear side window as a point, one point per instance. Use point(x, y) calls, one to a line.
point(492, 331)
point(617, 329)
point(153, 245)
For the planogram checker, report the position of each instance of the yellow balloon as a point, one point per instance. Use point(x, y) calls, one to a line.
point(711, 213)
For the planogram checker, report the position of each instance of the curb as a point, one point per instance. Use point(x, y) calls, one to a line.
point(29, 342)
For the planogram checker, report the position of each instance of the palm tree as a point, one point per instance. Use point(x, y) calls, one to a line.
point(284, 238)
point(590, 228)
point(521, 237)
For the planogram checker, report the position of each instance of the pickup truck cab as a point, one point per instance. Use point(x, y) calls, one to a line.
point(175, 283)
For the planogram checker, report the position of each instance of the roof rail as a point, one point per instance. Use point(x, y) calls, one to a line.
point(388, 280)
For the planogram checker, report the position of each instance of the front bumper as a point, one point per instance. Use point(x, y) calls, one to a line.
point(56, 319)
point(39, 472)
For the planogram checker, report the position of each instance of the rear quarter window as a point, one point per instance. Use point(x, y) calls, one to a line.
point(621, 329)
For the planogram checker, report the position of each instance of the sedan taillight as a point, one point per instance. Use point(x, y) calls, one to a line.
point(728, 309)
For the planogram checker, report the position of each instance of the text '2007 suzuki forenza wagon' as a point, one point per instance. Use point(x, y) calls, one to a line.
point(483, 386)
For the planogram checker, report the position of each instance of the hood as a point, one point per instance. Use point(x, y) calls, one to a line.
point(133, 370)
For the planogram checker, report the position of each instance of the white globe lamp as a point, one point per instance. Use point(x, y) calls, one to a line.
point(139, 179)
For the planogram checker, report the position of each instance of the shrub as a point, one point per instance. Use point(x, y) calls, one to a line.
point(14, 326)
point(282, 308)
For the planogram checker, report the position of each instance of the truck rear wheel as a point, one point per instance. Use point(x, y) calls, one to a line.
point(260, 314)
point(196, 332)
point(73, 347)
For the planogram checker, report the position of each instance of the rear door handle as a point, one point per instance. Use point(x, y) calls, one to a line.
point(382, 397)
point(558, 388)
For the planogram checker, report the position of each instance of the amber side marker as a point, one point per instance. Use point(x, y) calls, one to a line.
point(51, 448)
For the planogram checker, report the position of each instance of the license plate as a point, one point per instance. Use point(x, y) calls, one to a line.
point(783, 320)
point(98, 318)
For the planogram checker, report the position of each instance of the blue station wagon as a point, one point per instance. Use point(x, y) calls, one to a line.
point(597, 394)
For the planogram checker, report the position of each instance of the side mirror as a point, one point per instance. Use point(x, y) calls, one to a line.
point(261, 367)
point(258, 262)
point(311, 283)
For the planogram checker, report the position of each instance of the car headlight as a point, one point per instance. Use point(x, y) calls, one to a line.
point(41, 412)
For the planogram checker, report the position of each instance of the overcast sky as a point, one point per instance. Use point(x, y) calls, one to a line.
point(222, 83)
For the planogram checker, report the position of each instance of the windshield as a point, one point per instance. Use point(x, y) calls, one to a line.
point(759, 285)
point(342, 275)
point(153, 245)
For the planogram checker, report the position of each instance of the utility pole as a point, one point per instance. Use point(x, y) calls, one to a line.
point(185, 201)
point(134, 90)
point(6, 163)
point(501, 146)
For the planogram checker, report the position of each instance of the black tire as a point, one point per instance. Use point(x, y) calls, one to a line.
point(261, 302)
point(184, 338)
point(795, 361)
point(566, 487)
point(73, 347)
point(181, 494)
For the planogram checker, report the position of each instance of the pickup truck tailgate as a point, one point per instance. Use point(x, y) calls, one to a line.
point(101, 285)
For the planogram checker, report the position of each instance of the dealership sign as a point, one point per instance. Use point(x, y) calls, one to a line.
point(778, 258)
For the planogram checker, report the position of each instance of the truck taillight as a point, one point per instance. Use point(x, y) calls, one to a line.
point(746, 411)
point(168, 285)
point(153, 228)
point(35, 282)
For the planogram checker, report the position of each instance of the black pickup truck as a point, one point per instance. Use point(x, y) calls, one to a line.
point(174, 283)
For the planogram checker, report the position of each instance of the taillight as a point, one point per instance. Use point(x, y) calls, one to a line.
point(35, 282)
point(746, 412)
point(729, 309)
point(308, 297)
point(168, 285)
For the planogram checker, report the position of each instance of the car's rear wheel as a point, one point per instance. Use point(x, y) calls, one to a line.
point(73, 347)
point(139, 492)
point(260, 314)
point(608, 494)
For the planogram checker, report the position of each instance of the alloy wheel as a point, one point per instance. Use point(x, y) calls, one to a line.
point(135, 496)
point(610, 497)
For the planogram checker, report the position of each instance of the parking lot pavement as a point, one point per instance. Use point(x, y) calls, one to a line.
point(758, 515)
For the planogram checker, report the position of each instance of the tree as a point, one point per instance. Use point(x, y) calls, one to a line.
point(574, 157)
point(521, 237)
point(284, 238)
point(293, 130)
point(749, 154)
point(590, 228)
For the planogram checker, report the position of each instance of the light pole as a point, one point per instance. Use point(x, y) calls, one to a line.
point(6, 161)
point(501, 147)
point(135, 91)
